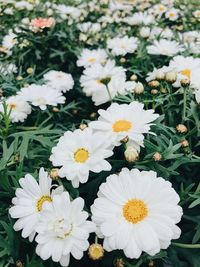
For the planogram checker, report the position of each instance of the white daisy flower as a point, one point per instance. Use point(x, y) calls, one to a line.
point(120, 46)
point(19, 109)
point(90, 57)
point(186, 67)
point(97, 78)
point(197, 95)
point(125, 120)
point(9, 41)
point(23, 5)
point(63, 230)
point(78, 153)
point(153, 74)
point(6, 69)
point(29, 200)
point(59, 80)
point(139, 18)
point(41, 96)
point(172, 14)
point(165, 48)
point(137, 211)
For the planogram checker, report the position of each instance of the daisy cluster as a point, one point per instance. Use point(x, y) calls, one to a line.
point(99, 123)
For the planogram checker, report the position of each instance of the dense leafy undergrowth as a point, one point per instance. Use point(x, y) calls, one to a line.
point(89, 88)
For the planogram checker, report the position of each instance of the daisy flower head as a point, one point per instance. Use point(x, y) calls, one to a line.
point(120, 46)
point(41, 96)
point(164, 47)
point(19, 109)
point(137, 212)
point(186, 68)
point(90, 57)
point(172, 14)
point(139, 18)
point(124, 120)
point(29, 200)
point(38, 24)
point(97, 78)
point(63, 229)
point(84, 151)
point(9, 41)
point(59, 80)
point(6, 69)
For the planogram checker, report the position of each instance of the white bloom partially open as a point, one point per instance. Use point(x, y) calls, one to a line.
point(79, 152)
point(120, 46)
point(137, 211)
point(63, 230)
point(164, 47)
point(125, 120)
point(90, 57)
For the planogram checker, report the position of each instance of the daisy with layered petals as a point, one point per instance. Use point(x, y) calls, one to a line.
point(97, 78)
point(29, 200)
point(90, 57)
point(63, 229)
point(41, 96)
point(164, 47)
point(19, 109)
point(59, 80)
point(125, 120)
point(79, 152)
point(137, 212)
point(120, 46)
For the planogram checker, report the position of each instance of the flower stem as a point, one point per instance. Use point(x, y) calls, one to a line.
point(181, 245)
point(184, 103)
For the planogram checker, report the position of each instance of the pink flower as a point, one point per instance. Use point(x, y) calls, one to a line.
point(38, 24)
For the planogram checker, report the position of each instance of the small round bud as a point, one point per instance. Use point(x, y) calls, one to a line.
point(154, 91)
point(95, 251)
point(171, 76)
point(151, 264)
point(154, 84)
point(157, 156)
point(131, 154)
point(19, 78)
point(133, 77)
point(93, 115)
point(119, 263)
point(54, 174)
point(82, 126)
point(139, 88)
point(122, 60)
point(184, 143)
point(54, 109)
point(181, 128)
point(75, 111)
point(185, 82)
point(19, 264)
point(163, 90)
point(160, 75)
point(30, 70)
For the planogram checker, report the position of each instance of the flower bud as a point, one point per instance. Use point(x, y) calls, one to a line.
point(154, 91)
point(93, 115)
point(139, 88)
point(82, 126)
point(185, 82)
point(19, 264)
point(157, 156)
point(30, 70)
point(154, 84)
point(122, 60)
point(55, 109)
point(133, 77)
point(54, 174)
point(19, 78)
point(163, 90)
point(181, 128)
point(171, 76)
point(184, 143)
point(145, 32)
point(119, 263)
point(95, 251)
point(160, 75)
point(131, 154)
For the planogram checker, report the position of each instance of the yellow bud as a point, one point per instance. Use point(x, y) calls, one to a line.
point(154, 84)
point(82, 126)
point(54, 174)
point(133, 77)
point(54, 109)
point(181, 128)
point(96, 252)
point(131, 154)
point(122, 60)
point(29, 70)
point(19, 78)
point(157, 156)
point(171, 76)
point(139, 88)
point(184, 143)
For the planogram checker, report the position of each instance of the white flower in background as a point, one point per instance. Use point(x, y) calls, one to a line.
point(196, 14)
point(89, 27)
point(59, 80)
point(187, 68)
point(9, 41)
point(63, 229)
point(41, 96)
point(29, 200)
point(153, 74)
point(90, 57)
point(145, 32)
point(120, 46)
point(165, 48)
point(79, 152)
point(139, 18)
point(197, 95)
point(6, 69)
point(159, 9)
point(172, 14)
point(23, 5)
point(8, 11)
point(97, 78)
point(19, 109)
point(137, 212)
point(68, 11)
point(125, 120)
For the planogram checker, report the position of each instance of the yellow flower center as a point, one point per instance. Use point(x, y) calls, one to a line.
point(92, 59)
point(96, 251)
point(13, 105)
point(122, 126)
point(41, 201)
point(81, 155)
point(135, 210)
point(186, 72)
point(171, 15)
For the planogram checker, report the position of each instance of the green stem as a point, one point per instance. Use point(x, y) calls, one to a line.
point(109, 93)
point(181, 245)
point(184, 103)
